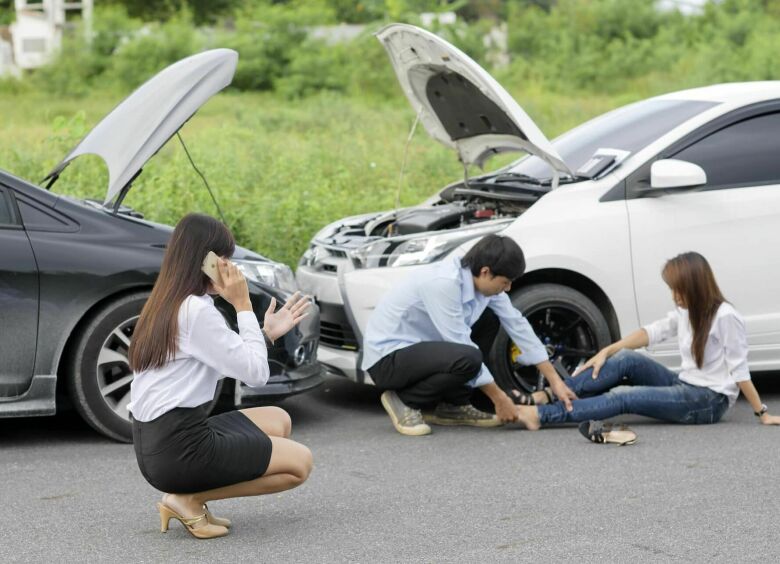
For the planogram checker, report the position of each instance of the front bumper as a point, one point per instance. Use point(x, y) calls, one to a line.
point(339, 346)
point(346, 299)
point(292, 359)
point(286, 383)
point(343, 363)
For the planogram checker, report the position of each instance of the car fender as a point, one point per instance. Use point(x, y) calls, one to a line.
point(570, 229)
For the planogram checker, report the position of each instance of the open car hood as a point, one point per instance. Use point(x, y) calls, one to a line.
point(458, 102)
point(136, 129)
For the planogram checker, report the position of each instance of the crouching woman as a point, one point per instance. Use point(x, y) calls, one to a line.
point(182, 346)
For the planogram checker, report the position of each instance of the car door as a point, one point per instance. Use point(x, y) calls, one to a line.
point(18, 301)
point(733, 220)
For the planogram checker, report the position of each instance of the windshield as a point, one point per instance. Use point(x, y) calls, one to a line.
point(630, 128)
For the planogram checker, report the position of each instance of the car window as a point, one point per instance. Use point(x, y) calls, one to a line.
point(630, 128)
point(6, 217)
point(35, 219)
point(743, 154)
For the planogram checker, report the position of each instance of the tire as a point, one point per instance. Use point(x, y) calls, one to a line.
point(566, 321)
point(100, 387)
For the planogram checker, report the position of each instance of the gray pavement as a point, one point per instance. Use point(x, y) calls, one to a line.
point(681, 494)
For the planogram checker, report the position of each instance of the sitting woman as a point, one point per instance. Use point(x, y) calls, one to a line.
point(711, 337)
point(181, 347)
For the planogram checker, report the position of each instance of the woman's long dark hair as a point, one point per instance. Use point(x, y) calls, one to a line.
point(691, 280)
point(154, 338)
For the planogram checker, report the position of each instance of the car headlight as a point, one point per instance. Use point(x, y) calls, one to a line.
point(417, 250)
point(268, 273)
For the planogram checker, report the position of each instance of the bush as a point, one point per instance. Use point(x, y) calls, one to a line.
point(152, 48)
point(81, 65)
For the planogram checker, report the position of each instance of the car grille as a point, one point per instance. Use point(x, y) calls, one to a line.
point(335, 330)
point(337, 253)
point(337, 335)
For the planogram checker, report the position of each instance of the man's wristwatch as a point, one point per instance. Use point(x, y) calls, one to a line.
point(764, 409)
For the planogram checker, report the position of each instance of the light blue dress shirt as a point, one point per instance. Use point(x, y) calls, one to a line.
point(439, 303)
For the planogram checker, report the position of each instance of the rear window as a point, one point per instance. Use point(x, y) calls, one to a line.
point(630, 128)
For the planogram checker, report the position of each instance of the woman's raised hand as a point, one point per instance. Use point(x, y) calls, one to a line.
point(277, 323)
point(234, 288)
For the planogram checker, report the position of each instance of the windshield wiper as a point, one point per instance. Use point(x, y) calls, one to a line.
point(514, 177)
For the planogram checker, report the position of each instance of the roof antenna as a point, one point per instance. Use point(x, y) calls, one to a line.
point(403, 164)
point(219, 210)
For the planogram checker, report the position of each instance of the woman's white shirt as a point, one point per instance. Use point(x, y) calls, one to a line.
point(206, 350)
point(725, 353)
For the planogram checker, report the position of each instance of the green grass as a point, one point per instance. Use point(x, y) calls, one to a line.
point(280, 169)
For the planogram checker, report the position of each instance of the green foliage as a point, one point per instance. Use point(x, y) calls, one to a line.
point(154, 47)
point(6, 12)
point(280, 170)
point(267, 38)
point(203, 11)
point(83, 64)
point(72, 72)
point(13, 86)
point(628, 45)
point(325, 137)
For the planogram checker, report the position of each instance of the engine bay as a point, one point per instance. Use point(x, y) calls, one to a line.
point(460, 206)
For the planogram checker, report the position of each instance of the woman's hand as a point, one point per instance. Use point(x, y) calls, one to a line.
point(289, 315)
point(595, 362)
point(767, 419)
point(233, 288)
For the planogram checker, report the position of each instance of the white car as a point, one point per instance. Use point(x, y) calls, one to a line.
point(597, 212)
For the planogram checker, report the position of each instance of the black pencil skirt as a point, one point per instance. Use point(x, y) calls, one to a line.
point(184, 451)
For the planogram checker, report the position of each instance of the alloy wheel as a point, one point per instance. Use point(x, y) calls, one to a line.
point(113, 368)
point(568, 337)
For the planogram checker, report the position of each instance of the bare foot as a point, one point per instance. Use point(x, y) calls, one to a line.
point(528, 415)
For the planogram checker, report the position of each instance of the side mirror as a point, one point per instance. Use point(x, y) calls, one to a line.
point(671, 173)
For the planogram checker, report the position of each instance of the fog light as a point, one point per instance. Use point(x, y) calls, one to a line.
point(300, 355)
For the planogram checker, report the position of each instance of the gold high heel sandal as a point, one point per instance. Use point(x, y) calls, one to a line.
point(214, 520)
point(207, 531)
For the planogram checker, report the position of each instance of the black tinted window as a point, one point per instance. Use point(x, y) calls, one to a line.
point(630, 128)
point(6, 217)
point(744, 154)
point(35, 219)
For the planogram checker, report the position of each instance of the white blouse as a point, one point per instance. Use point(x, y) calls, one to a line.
point(207, 349)
point(725, 353)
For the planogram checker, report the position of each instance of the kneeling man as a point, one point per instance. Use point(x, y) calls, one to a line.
point(418, 347)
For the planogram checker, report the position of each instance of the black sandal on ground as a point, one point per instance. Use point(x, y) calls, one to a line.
point(601, 433)
point(521, 398)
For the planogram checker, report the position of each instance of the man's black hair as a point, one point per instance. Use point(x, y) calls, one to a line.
point(500, 254)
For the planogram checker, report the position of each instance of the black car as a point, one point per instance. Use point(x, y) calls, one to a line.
point(74, 274)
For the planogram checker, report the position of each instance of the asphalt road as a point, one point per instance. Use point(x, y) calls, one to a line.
point(681, 494)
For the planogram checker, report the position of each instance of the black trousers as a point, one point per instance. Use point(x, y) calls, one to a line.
point(425, 374)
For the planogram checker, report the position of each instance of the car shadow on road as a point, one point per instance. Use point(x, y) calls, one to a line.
point(767, 384)
point(336, 398)
point(65, 426)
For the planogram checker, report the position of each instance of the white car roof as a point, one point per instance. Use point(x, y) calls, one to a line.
point(737, 93)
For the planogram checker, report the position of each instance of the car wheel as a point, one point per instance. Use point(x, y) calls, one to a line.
point(567, 322)
point(99, 372)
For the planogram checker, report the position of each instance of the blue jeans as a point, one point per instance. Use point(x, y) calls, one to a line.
point(630, 382)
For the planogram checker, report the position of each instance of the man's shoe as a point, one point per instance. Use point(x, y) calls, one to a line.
point(406, 420)
point(448, 414)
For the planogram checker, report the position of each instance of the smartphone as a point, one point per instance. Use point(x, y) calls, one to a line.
point(211, 267)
